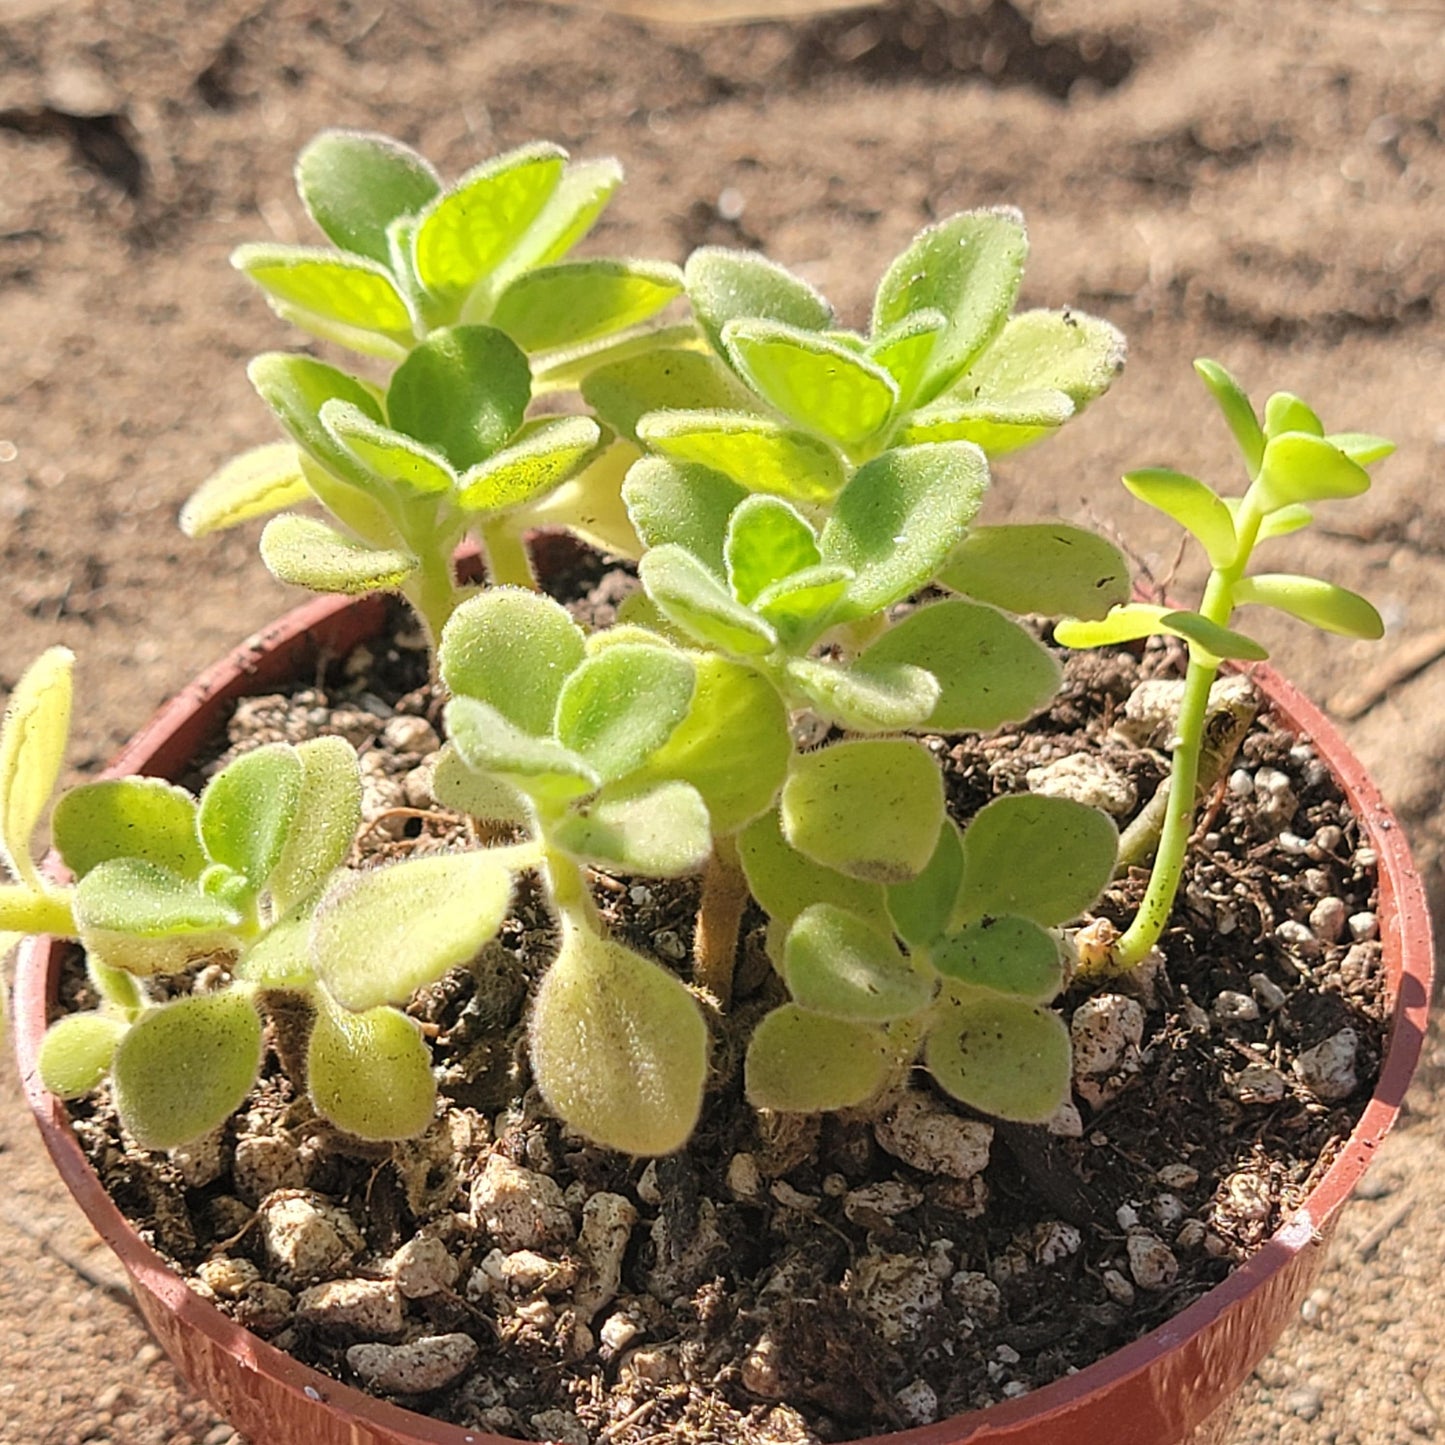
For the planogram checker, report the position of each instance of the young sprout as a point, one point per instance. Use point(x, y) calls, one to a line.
point(1292, 465)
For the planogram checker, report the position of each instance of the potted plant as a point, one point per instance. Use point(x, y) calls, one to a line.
point(795, 496)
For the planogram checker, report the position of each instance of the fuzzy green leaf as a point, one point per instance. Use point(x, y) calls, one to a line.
point(456, 786)
point(574, 302)
point(328, 813)
point(1362, 447)
point(905, 351)
point(838, 965)
point(899, 518)
point(818, 384)
point(353, 291)
point(1285, 412)
point(997, 425)
point(370, 1073)
point(1046, 567)
point(658, 832)
point(533, 467)
point(355, 184)
point(1235, 407)
point(687, 505)
point(870, 808)
point(296, 388)
point(76, 1053)
point(131, 895)
point(128, 818)
point(184, 1068)
point(32, 748)
point(883, 698)
point(1321, 604)
point(25, 909)
point(590, 504)
point(733, 746)
point(785, 882)
point(1007, 955)
point(619, 1047)
point(514, 650)
point(404, 465)
point(464, 391)
point(1191, 503)
point(1298, 467)
point(803, 1063)
point(622, 704)
point(726, 285)
point(541, 767)
point(307, 552)
point(468, 231)
point(248, 808)
point(669, 379)
point(695, 600)
point(921, 907)
point(799, 607)
point(254, 484)
point(1045, 859)
point(1003, 1057)
point(1067, 351)
point(755, 452)
point(570, 212)
point(989, 670)
point(969, 268)
point(281, 956)
point(380, 935)
point(766, 541)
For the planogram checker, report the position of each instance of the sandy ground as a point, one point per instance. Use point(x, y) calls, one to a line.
point(1261, 184)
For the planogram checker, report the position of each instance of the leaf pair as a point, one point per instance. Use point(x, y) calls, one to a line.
point(412, 255)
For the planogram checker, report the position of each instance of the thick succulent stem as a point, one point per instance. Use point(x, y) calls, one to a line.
point(719, 918)
point(508, 562)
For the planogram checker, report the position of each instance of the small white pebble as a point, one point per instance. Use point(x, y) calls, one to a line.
point(1298, 937)
point(1191, 1234)
point(743, 1178)
point(1328, 1069)
point(1014, 1389)
point(1117, 1287)
point(1258, 1084)
point(618, 1331)
point(640, 895)
point(1327, 839)
point(1272, 781)
point(1127, 1216)
point(917, 1403)
point(1151, 1262)
point(1167, 1210)
point(1233, 1007)
point(1366, 858)
point(1241, 783)
point(1179, 1176)
point(1364, 927)
point(1055, 1241)
point(1292, 844)
point(1327, 918)
point(1267, 992)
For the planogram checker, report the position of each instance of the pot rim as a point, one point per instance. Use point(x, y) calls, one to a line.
point(183, 724)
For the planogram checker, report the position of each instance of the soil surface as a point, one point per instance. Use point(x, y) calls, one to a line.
point(1265, 185)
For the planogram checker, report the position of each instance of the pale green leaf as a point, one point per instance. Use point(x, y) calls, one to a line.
point(1003, 1057)
point(766, 542)
point(1007, 955)
point(687, 505)
point(1235, 407)
point(184, 1068)
point(1045, 859)
point(1281, 523)
point(489, 799)
point(799, 607)
point(404, 465)
point(513, 649)
point(361, 506)
point(528, 470)
point(571, 303)
point(128, 818)
point(1217, 641)
point(905, 351)
point(921, 907)
point(1321, 604)
point(658, 832)
point(569, 213)
point(27, 910)
point(118, 990)
point(370, 1073)
point(1124, 623)
point(307, 552)
point(1298, 467)
point(622, 392)
point(32, 748)
point(354, 184)
point(248, 808)
point(296, 388)
point(996, 425)
point(697, 601)
point(281, 956)
point(756, 452)
point(969, 268)
point(356, 292)
point(619, 1047)
point(885, 697)
point(1194, 505)
point(541, 767)
point(76, 1052)
point(131, 895)
point(622, 704)
point(591, 506)
point(1285, 412)
point(899, 518)
point(989, 670)
point(254, 484)
point(380, 935)
point(1048, 567)
point(467, 232)
point(784, 882)
point(870, 808)
point(838, 965)
point(733, 746)
point(803, 1063)
point(1067, 351)
point(725, 285)
point(1362, 447)
point(816, 383)
point(328, 813)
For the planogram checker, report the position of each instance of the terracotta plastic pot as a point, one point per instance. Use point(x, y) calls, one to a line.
point(1173, 1385)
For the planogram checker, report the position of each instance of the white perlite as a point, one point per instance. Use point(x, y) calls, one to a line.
point(415, 1369)
point(369, 1308)
point(607, 1222)
point(1084, 778)
point(519, 1208)
point(1151, 1261)
point(561, 1426)
point(422, 1267)
point(1103, 1030)
point(896, 1293)
point(1328, 1069)
point(305, 1236)
point(1258, 1084)
point(917, 1403)
point(924, 1133)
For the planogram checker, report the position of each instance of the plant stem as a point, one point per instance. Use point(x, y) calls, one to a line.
point(719, 917)
point(567, 884)
point(508, 563)
point(433, 593)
